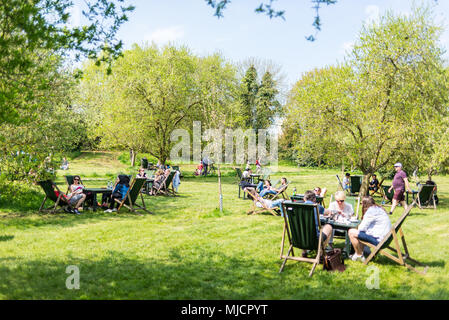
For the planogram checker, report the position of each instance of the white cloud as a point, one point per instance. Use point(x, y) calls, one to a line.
point(373, 13)
point(164, 35)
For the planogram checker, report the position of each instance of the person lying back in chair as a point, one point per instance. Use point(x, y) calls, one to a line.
point(258, 200)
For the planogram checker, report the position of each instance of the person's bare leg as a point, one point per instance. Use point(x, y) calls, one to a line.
point(358, 247)
point(393, 205)
point(80, 201)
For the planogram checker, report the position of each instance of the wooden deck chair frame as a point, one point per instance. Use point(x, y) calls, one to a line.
point(287, 230)
point(281, 192)
point(163, 190)
point(255, 209)
point(430, 199)
point(393, 237)
point(59, 201)
point(129, 201)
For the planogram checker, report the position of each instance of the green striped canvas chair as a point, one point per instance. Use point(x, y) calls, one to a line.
point(356, 183)
point(49, 189)
point(301, 231)
point(426, 197)
point(391, 243)
point(388, 196)
point(129, 201)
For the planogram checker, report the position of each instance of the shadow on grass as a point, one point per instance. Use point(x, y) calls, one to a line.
point(6, 238)
point(183, 273)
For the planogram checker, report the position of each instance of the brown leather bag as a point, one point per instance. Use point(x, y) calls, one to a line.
point(333, 260)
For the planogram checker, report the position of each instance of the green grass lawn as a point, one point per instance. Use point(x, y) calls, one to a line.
point(189, 250)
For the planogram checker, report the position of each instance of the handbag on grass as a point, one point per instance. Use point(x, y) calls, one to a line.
point(333, 260)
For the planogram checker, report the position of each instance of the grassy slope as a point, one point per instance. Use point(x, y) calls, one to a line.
point(188, 250)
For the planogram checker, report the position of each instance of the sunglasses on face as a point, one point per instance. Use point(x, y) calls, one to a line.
point(340, 201)
point(76, 179)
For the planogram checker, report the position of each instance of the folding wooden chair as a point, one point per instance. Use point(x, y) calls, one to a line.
point(129, 201)
point(282, 191)
point(425, 197)
point(392, 237)
point(57, 197)
point(164, 187)
point(388, 196)
point(300, 225)
point(262, 207)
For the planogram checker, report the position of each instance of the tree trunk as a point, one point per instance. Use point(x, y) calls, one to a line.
point(365, 184)
point(133, 157)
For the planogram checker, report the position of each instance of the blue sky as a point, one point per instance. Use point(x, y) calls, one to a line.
point(242, 34)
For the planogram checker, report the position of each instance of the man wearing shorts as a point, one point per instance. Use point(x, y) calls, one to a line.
point(400, 182)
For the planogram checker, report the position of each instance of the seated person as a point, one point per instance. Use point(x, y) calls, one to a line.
point(342, 208)
point(374, 184)
point(247, 173)
point(76, 196)
point(347, 182)
point(258, 200)
point(141, 173)
point(310, 198)
point(430, 182)
point(339, 205)
point(265, 187)
point(320, 192)
point(65, 164)
point(119, 192)
point(159, 179)
point(374, 227)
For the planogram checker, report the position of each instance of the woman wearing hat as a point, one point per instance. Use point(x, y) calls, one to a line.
point(400, 182)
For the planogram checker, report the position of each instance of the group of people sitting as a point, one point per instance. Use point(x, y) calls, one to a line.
point(374, 226)
point(373, 184)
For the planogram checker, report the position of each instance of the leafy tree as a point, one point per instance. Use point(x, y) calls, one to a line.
point(152, 92)
point(249, 88)
point(267, 105)
point(27, 26)
point(364, 111)
point(27, 149)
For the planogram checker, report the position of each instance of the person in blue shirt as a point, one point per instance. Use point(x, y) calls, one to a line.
point(119, 192)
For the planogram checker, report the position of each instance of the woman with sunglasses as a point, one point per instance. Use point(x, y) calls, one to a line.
point(339, 205)
point(76, 196)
